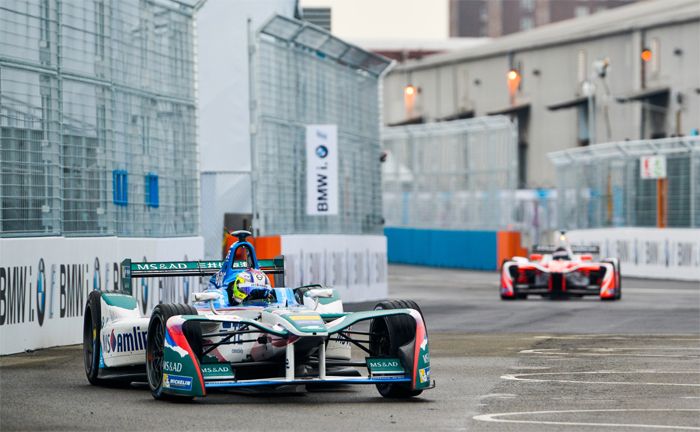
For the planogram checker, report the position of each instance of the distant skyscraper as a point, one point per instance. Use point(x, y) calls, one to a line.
point(494, 18)
point(321, 16)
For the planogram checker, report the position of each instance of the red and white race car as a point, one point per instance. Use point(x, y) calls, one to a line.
point(561, 271)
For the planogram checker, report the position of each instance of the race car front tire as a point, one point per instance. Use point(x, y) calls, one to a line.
point(387, 335)
point(155, 343)
point(516, 296)
point(618, 281)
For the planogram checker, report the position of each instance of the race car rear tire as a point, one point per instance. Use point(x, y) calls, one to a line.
point(92, 344)
point(92, 326)
point(387, 335)
point(155, 343)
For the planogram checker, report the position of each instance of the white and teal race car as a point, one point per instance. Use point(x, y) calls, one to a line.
point(299, 336)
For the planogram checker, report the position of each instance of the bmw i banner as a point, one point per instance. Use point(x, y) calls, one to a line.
point(321, 170)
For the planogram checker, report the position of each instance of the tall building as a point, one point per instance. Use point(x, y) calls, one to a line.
point(397, 29)
point(355, 20)
point(626, 74)
point(223, 112)
point(320, 16)
point(494, 18)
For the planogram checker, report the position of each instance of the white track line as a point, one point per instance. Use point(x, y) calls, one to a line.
point(493, 418)
point(618, 349)
point(529, 367)
point(607, 352)
point(520, 377)
point(682, 338)
point(499, 396)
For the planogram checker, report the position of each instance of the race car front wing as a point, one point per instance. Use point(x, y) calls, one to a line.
point(185, 375)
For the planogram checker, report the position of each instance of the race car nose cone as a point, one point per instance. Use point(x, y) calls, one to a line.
point(306, 321)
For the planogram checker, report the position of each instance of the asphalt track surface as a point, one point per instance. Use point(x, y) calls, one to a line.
point(533, 365)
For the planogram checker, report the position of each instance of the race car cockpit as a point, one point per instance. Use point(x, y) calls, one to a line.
point(561, 254)
point(241, 281)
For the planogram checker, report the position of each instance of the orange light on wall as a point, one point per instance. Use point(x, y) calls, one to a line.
point(514, 78)
point(409, 99)
point(646, 54)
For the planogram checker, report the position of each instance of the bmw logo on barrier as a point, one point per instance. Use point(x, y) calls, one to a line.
point(322, 151)
point(41, 292)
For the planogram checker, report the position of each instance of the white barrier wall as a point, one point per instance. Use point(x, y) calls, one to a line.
point(356, 265)
point(658, 253)
point(45, 281)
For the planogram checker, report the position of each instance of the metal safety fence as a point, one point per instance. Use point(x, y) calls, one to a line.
point(302, 75)
point(97, 118)
point(645, 183)
point(459, 175)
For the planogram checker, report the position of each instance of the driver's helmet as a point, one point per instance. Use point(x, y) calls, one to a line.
point(561, 254)
point(249, 284)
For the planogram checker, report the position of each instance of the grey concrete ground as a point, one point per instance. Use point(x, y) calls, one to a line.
point(533, 365)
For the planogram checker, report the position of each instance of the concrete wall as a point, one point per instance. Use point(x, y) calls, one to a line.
point(680, 70)
point(223, 108)
point(222, 192)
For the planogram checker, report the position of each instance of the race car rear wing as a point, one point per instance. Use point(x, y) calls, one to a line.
point(131, 270)
point(577, 249)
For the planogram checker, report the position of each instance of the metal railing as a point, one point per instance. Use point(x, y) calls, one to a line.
point(302, 75)
point(97, 101)
point(601, 185)
point(459, 174)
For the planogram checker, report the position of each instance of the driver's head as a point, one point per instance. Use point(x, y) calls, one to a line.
point(249, 284)
point(560, 254)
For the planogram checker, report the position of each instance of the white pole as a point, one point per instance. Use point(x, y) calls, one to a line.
point(289, 372)
point(590, 92)
point(253, 128)
point(693, 167)
point(322, 360)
